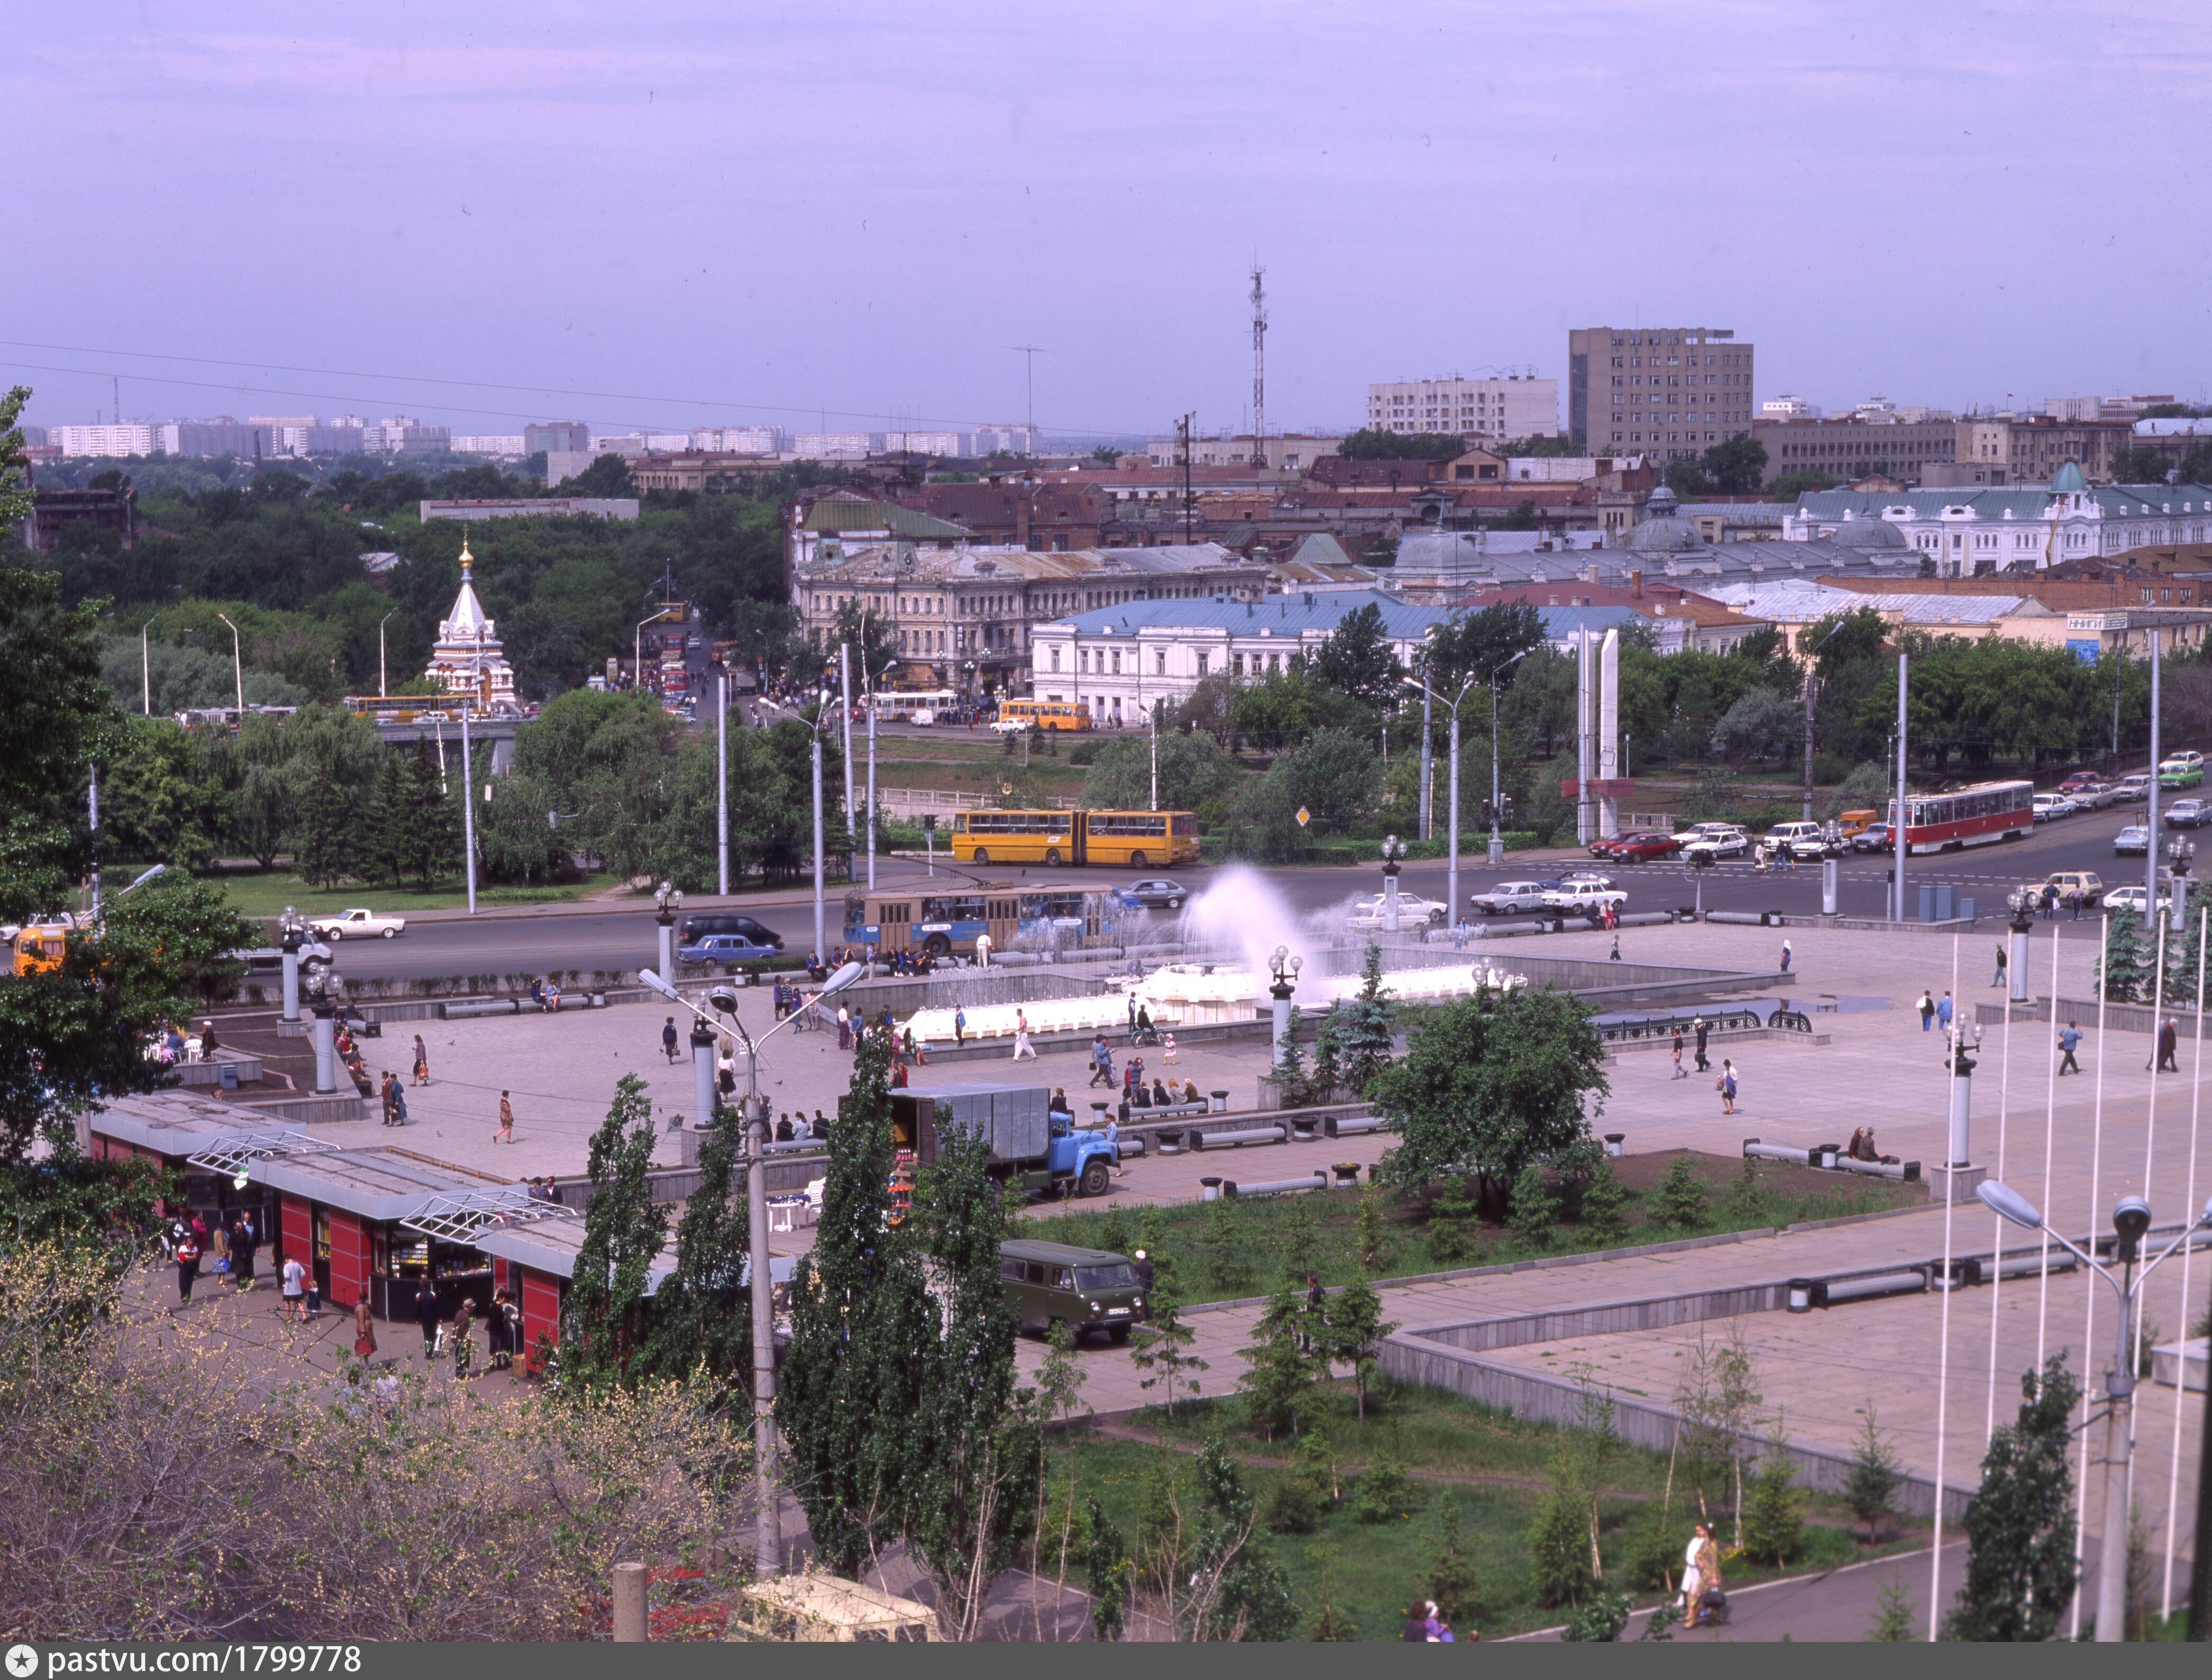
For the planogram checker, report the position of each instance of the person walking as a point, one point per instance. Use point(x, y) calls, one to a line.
point(384, 1093)
point(1112, 1136)
point(294, 1282)
point(1727, 1085)
point(668, 1037)
point(398, 1101)
point(1700, 1028)
point(1102, 1062)
point(1701, 1573)
point(959, 1026)
point(188, 1268)
point(1927, 1008)
point(1786, 954)
point(2069, 1041)
point(1022, 1045)
point(422, 1061)
point(1143, 1263)
point(2003, 959)
point(1168, 1048)
point(2169, 1034)
point(219, 1251)
point(364, 1330)
point(2074, 899)
point(463, 1344)
point(427, 1317)
point(2050, 901)
point(1613, 956)
point(243, 1241)
point(505, 1132)
point(1944, 1011)
point(1679, 1071)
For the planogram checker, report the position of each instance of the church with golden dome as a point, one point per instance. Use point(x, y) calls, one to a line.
point(466, 660)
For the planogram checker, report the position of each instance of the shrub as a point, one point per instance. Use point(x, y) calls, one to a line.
point(1680, 1203)
point(1535, 1209)
point(1386, 1491)
point(1604, 1205)
point(1558, 1542)
point(1454, 1217)
point(1773, 1531)
point(1599, 1621)
point(1290, 1507)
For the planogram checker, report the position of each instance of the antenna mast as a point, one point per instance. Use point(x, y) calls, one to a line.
point(1259, 368)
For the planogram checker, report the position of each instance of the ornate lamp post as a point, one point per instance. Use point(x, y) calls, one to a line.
point(1394, 850)
point(291, 934)
point(1283, 968)
point(667, 904)
point(2022, 902)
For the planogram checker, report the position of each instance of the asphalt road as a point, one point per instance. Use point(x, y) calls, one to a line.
point(586, 939)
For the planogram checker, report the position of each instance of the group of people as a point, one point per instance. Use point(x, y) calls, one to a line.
point(788, 1130)
point(503, 1325)
point(227, 1245)
point(2074, 899)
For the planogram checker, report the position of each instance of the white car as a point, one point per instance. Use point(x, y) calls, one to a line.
point(357, 924)
point(1715, 839)
point(1508, 899)
point(1413, 911)
point(1580, 900)
point(1804, 842)
point(2049, 807)
point(2133, 898)
point(1010, 726)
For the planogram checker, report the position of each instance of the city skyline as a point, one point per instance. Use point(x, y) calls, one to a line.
point(539, 215)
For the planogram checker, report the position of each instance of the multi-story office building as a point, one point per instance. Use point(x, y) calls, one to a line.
point(1848, 447)
point(556, 434)
point(1498, 408)
point(1664, 391)
point(2000, 449)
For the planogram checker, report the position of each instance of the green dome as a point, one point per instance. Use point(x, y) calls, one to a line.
point(2068, 480)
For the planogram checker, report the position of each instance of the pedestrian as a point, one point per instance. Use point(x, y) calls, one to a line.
point(505, 1132)
point(1102, 1062)
point(1726, 1086)
point(219, 1251)
point(243, 1241)
point(1113, 1141)
point(959, 1026)
point(510, 1326)
point(844, 1028)
point(1316, 1313)
point(2069, 1041)
point(426, 1316)
point(1678, 1072)
point(1786, 954)
point(982, 951)
point(364, 1330)
point(2168, 1039)
point(188, 1268)
point(294, 1283)
point(398, 1102)
point(1144, 1270)
point(1699, 1026)
point(1168, 1049)
point(1943, 1012)
point(1927, 1008)
point(2003, 958)
point(1614, 956)
point(1022, 1044)
point(1697, 1561)
point(2074, 899)
point(384, 1092)
point(463, 1344)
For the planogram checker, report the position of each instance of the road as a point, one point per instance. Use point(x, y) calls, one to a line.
point(568, 937)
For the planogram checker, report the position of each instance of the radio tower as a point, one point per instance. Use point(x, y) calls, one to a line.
point(1259, 368)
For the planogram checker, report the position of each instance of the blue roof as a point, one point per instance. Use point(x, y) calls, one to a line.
point(1562, 622)
point(1281, 615)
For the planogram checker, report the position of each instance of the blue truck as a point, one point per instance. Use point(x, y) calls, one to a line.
point(1031, 1147)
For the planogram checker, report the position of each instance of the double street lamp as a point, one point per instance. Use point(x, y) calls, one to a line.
point(2130, 1223)
point(1497, 836)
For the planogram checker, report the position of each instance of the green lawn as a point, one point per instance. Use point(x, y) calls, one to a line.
point(1222, 1250)
point(260, 895)
point(1499, 1466)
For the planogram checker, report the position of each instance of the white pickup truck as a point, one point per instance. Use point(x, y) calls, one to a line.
point(357, 924)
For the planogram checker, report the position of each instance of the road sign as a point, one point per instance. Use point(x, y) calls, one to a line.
point(1304, 816)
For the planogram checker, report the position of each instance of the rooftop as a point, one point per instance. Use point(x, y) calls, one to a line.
point(1279, 615)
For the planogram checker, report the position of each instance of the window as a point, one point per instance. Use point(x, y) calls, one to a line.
point(1056, 659)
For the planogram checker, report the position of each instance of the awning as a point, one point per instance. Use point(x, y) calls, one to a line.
point(229, 1152)
point(464, 1217)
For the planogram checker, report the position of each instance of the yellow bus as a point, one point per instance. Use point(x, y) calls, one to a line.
point(1046, 714)
point(1134, 839)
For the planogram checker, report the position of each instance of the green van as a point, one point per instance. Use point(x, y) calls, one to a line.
point(1085, 1289)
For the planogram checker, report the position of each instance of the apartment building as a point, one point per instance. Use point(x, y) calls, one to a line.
point(1512, 406)
point(1666, 390)
point(2000, 449)
point(130, 438)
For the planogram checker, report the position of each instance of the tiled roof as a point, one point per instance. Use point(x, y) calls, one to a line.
point(1281, 615)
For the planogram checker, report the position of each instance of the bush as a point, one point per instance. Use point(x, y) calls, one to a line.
point(1289, 1507)
point(1604, 1205)
point(1558, 1542)
point(1680, 1203)
point(1455, 1216)
point(1773, 1531)
point(1650, 1551)
point(1386, 1491)
point(1535, 1209)
point(1600, 1619)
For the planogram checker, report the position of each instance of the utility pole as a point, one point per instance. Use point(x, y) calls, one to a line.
point(1897, 904)
point(2150, 811)
point(845, 723)
point(1428, 794)
point(1183, 460)
point(1030, 354)
point(723, 784)
point(1259, 368)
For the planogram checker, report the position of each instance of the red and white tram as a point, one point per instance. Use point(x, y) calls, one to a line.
point(1970, 817)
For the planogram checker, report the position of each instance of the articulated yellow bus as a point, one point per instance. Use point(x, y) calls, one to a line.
point(1132, 839)
point(1046, 714)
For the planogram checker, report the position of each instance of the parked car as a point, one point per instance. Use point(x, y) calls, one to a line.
point(2132, 789)
point(2049, 807)
point(698, 926)
point(2092, 885)
point(1874, 838)
point(1009, 726)
point(1855, 823)
point(357, 924)
point(2181, 771)
point(1583, 900)
point(1155, 894)
point(2188, 813)
point(1804, 842)
point(725, 951)
point(2079, 779)
point(1646, 849)
point(1413, 911)
point(2133, 899)
point(2133, 840)
point(1508, 899)
point(1085, 1289)
point(1612, 845)
point(2093, 795)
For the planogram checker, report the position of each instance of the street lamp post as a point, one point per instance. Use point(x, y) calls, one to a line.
point(1394, 852)
point(1966, 1036)
point(1451, 818)
point(2022, 902)
point(2131, 1221)
point(291, 934)
point(1283, 971)
point(667, 902)
point(381, 689)
point(146, 667)
point(237, 667)
point(722, 783)
point(1497, 836)
point(821, 931)
point(768, 1554)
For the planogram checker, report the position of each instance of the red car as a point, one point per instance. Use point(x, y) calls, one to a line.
point(1644, 848)
point(1611, 845)
point(2079, 779)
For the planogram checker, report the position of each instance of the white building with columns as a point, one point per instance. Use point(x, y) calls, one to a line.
point(1120, 661)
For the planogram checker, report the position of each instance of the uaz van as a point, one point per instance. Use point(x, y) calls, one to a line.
point(1085, 1289)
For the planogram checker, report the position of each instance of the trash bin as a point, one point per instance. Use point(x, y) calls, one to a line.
point(1927, 901)
point(1967, 910)
point(1944, 910)
point(1220, 1105)
point(227, 1072)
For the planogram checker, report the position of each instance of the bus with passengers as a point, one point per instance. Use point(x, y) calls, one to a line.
point(946, 924)
point(1118, 839)
point(1045, 714)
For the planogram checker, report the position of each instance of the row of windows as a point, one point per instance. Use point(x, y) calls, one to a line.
point(1676, 379)
point(1670, 437)
point(1726, 359)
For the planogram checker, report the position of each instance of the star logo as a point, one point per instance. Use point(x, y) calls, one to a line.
point(22, 1662)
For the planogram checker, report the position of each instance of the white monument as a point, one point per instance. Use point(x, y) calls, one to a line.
point(466, 660)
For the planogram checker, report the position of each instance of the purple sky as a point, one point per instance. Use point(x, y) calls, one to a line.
point(720, 214)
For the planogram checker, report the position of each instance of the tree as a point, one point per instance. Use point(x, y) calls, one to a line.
point(435, 835)
point(2020, 1570)
point(1762, 724)
point(2123, 974)
point(1194, 774)
point(1867, 788)
point(1534, 1209)
point(322, 839)
point(1278, 1374)
point(1454, 1217)
point(1894, 1622)
point(702, 1315)
point(852, 1384)
point(623, 1230)
point(1451, 1578)
point(1373, 1227)
point(1163, 1344)
point(1870, 1483)
point(972, 1501)
point(1372, 443)
point(1356, 660)
point(1774, 1527)
point(1681, 1203)
point(1499, 1079)
point(1359, 1030)
point(1477, 645)
point(1386, 1489)
point(1353, 1332)
point(607, 475)
point(1604, 1202)
point(1558, 1541)
point(1735, 465)
point(1107, 1569)
point(387, 827)
point(1686, 477)
point(1805, 481)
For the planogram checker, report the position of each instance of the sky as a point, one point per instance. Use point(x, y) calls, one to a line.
point(850, 215)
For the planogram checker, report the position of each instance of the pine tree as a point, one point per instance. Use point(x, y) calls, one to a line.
point(1355, 1329)
point(1535, 1209)
point(323, 848)
point(2187, 952)
point(1279, 1374)
point(1385, 1490)
point(1679, 1203)
point(1373, 1226)
point(1871, 1481)
point(1451, 1580)
point(2122, 973)
point(1894, 1623)
point(702, 1315)
point(1301, 1241)
point(1106, 1571)
point(623, 1231)
point(1773, 1529)
point(1454, 1216)
point(1362, 1025)
point(433, 836)
point(852, 1383)
point(1557, 1541)
point(1745, 1203)
point(1225, 1243)
point(1059, 1377)
point(1328, 1625)
point(1289, 1073)
point(1163, 1345)
point(387, 825)
point(2021, 1571)
point(1605, 1203)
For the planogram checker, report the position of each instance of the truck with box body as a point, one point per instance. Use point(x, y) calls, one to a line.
point(1029, 1146)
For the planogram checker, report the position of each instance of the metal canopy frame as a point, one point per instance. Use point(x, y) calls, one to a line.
point(464, 1217)
point(230, 1152)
